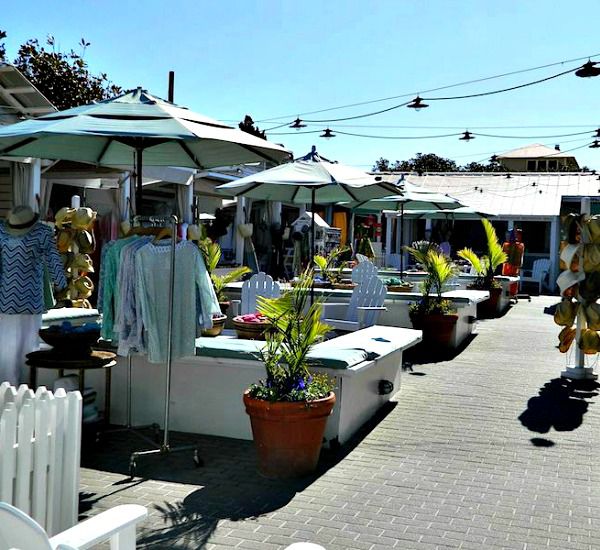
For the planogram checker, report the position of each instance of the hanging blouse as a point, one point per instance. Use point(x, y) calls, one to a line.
point(194, 298)
point(128, 322)
point(109, 283)
point(22, 262)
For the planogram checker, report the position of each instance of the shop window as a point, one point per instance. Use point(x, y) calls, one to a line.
point(531, 166)
point(536, 236)
point(541, 166)
point(552, 165)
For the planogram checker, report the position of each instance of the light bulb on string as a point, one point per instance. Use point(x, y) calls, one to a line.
point(417, 104)
point(297, 124)
point(467, 136)
point(327, 134)
point(588, 69)
point(595, 145)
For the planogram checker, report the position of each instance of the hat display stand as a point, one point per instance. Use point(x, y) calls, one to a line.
point(75, 241)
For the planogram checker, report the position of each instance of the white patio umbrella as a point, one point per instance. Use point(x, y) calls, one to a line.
point(311, 179)
point(412, 198)
point(109, 133)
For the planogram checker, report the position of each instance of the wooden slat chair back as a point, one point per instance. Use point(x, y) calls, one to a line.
point(259, 284)
point(370, 292)
point(118, 525)
point(363, 271)
point(539, 271)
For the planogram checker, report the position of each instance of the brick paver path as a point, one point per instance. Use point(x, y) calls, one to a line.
point(489, 450)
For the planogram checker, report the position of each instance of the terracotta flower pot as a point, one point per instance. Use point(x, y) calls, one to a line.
point(437, 328)
point(218, 326)
point(489, 308)
point(288, 435)
point(343, 286)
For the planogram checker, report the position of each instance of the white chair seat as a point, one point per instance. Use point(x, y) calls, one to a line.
point(537, 274)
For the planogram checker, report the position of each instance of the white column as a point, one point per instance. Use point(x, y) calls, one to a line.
point(398, 247)
point(189, 202)
point(276, 212)
point(239, 240)
point(389, 234)
point(554, 252)
point(511, 225)
point(36, 184)
point(378, 239)
point(351, 230)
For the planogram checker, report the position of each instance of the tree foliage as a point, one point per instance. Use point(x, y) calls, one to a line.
point(430, 162)
point(63, 77)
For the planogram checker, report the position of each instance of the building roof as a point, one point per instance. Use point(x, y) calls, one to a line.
point(534, 151)
point(532, 195)
point(20, 98)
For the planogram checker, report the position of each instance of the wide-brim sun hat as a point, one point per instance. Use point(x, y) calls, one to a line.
point(20, 220)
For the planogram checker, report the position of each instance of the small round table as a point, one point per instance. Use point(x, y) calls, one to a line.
point(51, 359)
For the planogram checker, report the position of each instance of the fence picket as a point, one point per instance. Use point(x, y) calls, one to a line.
point(24, 454)
point(41, 455)
point(72, 454)
point(8, 451)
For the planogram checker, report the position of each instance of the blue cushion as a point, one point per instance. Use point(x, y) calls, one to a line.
point(233, 348)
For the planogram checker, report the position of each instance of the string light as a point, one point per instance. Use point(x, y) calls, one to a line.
point(588, 70)
point(298, 124)
point(327, 134)
point(417, 104)
point(467, 136)
point(595, 144)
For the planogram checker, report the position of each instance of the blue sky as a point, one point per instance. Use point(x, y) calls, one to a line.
point(277, 59)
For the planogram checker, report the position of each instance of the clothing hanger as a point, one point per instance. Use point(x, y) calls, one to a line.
point(140, 230)
point(164, 233)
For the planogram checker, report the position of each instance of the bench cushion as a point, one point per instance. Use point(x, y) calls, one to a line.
point(234, 348)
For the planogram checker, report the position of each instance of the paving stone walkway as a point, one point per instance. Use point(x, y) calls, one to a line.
point(488, 450)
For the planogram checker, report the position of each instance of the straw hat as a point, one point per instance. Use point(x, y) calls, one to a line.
point(83, 218)
point(64, 215)
point(82, 262)
point(20, 220)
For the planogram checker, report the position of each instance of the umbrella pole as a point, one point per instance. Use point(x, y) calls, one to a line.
point(138, 187)
point(312, 243)
point(401, 239)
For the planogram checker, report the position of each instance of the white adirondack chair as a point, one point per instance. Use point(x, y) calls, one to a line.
point(537, 274)
point(259, 284)
point(20, 532)
point(366, 302)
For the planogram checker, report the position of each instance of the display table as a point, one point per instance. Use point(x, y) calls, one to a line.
point(50, 359)
point(206, 390)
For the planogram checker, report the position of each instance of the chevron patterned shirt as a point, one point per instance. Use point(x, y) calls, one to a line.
point(22, 260)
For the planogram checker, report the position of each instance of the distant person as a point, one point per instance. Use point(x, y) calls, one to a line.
point(515, 250)
point(445, 246)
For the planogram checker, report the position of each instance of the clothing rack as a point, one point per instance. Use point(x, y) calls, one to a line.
point(165, 447)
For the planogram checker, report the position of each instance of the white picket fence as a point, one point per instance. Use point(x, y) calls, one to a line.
point(40, 449)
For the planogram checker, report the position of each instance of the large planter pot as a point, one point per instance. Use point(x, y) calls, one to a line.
point(218, 326)
point(437, 328)
point(489, 308)
point(288, 435)
point(343, 286)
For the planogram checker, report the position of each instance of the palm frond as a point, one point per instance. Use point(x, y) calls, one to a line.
point(235, 274)
point(469, 255)
point(495, 254)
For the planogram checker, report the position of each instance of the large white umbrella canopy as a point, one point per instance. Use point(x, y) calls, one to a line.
point(109, 132)
point(310, 180)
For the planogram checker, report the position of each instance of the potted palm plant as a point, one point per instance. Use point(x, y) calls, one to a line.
point(485, 267)
point(331, 267)
point(289, 409)
point(433, 314)
point(211, 252)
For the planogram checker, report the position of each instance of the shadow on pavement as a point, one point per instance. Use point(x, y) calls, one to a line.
point(561, 404)
point(425, 353)
point(227, 487)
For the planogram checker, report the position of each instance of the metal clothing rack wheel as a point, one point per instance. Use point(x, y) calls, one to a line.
point(165, 447)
